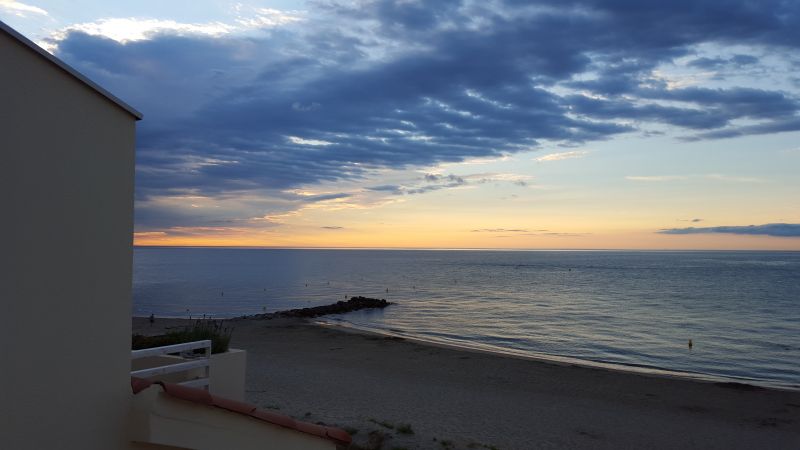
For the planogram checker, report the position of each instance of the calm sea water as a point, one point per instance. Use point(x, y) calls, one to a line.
point(740, 309)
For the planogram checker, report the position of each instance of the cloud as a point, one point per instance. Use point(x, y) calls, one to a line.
point(349, 89)
point(736, 61)
point(131, 29)
point(502, 230)
point(554, 233)
point(776, 126)
point(655, 177)
point(149, 234)
point(255, 17)
point(325, 197)
point(489, 160)
point(734, 179)
point(332, 228)
point(430, 182)
point(563, 155)
point(21, 9)
point(314, 142)
point(710, 176)
point(494, 177)
point(770, 229)
point(438, 178)
point(392, 188)
point(435, 182)
point(517, 233)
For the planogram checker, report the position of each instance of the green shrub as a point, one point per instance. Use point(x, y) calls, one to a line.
point(405, 428)
point(202, 329)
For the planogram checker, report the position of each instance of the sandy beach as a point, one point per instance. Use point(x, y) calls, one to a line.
point(393, 393)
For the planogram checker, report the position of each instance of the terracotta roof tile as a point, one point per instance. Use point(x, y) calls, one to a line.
point(338, 435)
point(191, 394)
point(233, 405)
point(310, 428)
point(203, 397)
point(139, 384)
point(277, 419)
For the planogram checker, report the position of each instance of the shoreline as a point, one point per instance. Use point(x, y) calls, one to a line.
point(640, 369)
point(441, 397)
point(643, 370)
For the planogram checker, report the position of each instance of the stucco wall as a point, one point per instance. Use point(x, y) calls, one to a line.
point(160, 419)
point(66, 180)
point(228, 372)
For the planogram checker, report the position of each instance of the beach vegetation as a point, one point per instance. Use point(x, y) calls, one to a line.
point(351, 431)
point(383, 423)
point(479, 445)
point(405, 428)
point(214, 330)
point(376, 440)
point(446, 444)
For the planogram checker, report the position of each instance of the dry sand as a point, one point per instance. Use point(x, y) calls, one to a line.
point(462, 399)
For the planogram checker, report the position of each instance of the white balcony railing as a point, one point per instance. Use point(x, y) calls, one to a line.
point(189, 362)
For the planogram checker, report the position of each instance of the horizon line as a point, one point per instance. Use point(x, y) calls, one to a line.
point(267, 247)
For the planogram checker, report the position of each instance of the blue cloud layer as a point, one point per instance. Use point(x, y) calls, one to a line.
point(401, 84)
point(770, 229)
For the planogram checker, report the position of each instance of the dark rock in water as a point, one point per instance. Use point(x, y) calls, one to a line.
point(340, 307)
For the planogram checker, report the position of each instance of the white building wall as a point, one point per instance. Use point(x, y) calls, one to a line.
point(66, 219)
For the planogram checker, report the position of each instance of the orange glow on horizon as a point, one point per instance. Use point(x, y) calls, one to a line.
point(640, 240)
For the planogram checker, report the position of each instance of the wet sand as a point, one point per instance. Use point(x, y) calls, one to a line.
point(453, 398)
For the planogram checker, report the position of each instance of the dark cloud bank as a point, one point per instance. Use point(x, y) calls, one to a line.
point(770, 229)
point(390, 84)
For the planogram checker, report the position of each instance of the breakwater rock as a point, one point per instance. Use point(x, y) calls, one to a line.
point(340, 307)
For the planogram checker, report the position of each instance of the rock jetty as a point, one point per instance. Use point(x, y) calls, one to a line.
point(340, 307)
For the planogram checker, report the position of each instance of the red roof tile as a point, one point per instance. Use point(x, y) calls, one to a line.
point(233, 405)
point(278, 419)
point(191, 394)
point(203, 397)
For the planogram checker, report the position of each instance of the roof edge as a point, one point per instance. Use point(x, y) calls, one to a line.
point(67, 68)
point(203, 397)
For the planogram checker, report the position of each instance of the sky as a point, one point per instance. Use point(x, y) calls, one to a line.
point(570, 124)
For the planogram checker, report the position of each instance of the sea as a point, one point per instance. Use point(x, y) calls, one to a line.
point(628, 309)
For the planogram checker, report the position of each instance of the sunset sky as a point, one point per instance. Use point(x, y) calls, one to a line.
point(450, 124)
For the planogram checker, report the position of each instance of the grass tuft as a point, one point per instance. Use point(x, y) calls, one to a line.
point(202, 329)
point(405, 428)
point(446, 444)
point(351, 431)
point(383, 423)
